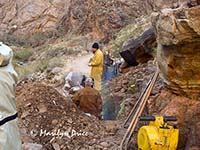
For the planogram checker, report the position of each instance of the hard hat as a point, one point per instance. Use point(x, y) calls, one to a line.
point(5, 55)
point(89, 81)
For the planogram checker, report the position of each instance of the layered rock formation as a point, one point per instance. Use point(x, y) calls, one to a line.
point(26, 18)
point(178, 37)
point(99, 18)
point(178, 54)
point(161, 4)
point(103, 18)
point(23, 17)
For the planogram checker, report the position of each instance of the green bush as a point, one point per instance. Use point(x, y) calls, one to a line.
point(55, 62)
point(42, 65)
point(130, 31)
point(24, 71)
point(22, 55)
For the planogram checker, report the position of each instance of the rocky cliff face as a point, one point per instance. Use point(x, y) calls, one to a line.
point(179, 49)
point(99, 18)
point(178, 55)
point(103, 18)
point(22, 17)
point(161, 4)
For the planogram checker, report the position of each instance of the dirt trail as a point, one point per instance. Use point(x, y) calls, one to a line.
point(78, 64)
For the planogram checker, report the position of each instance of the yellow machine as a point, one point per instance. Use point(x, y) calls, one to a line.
point(157, 135)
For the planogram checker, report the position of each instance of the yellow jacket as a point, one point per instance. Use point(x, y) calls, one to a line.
point(97, 64)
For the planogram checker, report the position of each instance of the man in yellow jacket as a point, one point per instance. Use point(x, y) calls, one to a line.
point(96, 64)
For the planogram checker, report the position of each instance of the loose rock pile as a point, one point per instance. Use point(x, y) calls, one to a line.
point(126, 88)
point(43, 111)
point(45, 115)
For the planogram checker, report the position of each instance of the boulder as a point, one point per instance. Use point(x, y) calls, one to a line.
point(178, 53)
point(139, 50)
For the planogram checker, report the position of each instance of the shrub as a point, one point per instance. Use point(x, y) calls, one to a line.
point(22, 55)
point(42, 65)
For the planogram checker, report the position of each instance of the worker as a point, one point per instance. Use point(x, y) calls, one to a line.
point(109, 68)
point(9, 132)
point(88, 99)
point(96, 64)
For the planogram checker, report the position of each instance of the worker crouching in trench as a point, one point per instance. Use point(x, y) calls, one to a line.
point(89, 99)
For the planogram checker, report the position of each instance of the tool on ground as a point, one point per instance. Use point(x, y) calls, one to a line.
point(158, 135)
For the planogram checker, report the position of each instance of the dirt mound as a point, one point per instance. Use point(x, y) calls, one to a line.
point(49, 119)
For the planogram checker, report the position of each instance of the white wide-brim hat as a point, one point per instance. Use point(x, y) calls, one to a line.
point(5, 54)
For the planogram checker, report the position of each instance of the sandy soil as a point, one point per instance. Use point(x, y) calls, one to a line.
point(79, 64)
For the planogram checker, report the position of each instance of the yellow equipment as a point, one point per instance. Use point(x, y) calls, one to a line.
point(157, 135)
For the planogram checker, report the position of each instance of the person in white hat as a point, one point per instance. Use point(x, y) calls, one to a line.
point(9, 132)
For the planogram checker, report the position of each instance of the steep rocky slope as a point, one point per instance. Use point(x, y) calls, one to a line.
point(178, 57)
point(103, 18)
point(51, 121)
point(27, 19)
point(22, 20)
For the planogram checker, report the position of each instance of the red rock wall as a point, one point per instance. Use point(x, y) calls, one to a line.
point(178, 37)
point(23, 17)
